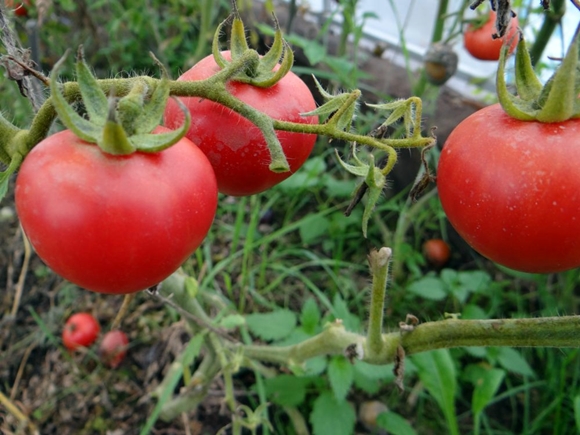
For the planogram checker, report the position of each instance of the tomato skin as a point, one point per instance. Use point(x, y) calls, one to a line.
point(80, 330)
point(234, 146)
point(114, 224)
point(480, 44)
point(113, 348)
point(511, 189)
point(20, 7)
point(436, 251)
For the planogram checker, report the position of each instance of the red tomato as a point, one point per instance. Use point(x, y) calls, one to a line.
point(113, 348)
point(512, 189)
point(479, 43)
point(80, 330)
point(234, 146)
point(114, 224)
point(436, 252)
point(20, 8)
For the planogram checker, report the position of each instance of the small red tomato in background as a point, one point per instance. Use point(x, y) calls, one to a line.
point(436, 251)
point(113, 348)
point(80, 330)
point(235, 147)
point(479, 43)
point(114, 224)
point(20, 7)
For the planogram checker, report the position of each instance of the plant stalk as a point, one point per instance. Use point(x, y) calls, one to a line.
point(379, 265)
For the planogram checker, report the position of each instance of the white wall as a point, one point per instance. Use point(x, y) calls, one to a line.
point(417, 18)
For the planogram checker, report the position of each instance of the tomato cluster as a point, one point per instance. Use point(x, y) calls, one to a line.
point(81, 330)
point(122, 223)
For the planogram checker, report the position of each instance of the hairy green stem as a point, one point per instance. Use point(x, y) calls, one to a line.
point(379, 265)
point(214, 89)
point(551, 19)
point(334, 340)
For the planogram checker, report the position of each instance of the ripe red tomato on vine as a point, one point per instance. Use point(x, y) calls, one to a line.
point(114, 224)
point(478, 41)
point(511, 189)
point(80, 330)
point(234, 146)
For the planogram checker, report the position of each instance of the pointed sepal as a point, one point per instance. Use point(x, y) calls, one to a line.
point(153, 143)
point(80, 126)
point(113, 138)
point(95, 100)
point(373, 178)
point(270, 69)
point(119, 126)
point(556, 101)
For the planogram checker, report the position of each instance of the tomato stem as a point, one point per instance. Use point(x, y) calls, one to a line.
point(379, 262)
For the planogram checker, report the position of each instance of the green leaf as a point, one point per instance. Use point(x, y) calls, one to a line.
point(437, 372)
point(429, 288)
point(485, 389)
point(315, 52)
point(340, 375)
point(332, 417)
point(286, 390)
point(167, 387)
point(577, 411)
point(350, 321)
point(370, 377)
point(473, 311)
point(513, 361)
point(232, 321)
point(314, 229)
point(310, 316)
point(5, 175)
point(475, 280)
point(272, 326)
point(315, 366)
point(395, 424)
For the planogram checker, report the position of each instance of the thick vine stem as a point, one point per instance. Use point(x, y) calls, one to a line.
point(379, 265)
point(535, 332)
point(214, 89)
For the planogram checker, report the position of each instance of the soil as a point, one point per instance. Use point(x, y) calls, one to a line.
point(66, 393)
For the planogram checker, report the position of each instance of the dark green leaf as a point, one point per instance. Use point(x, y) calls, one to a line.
point(332, 417)
point(485, 389)
point(395, 424)
point(272, 326)
point(437, 372)
point(286, 390)
point(310, 316)
point(429, 288)
point(340, 375)
point(513, 361)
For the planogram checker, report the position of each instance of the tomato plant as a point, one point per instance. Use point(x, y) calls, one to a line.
point(80, 330)
point(113, 348)
point(479, 43)
point(233, 145)
point(436, 251)
point(114, 224)
point(20, 7)
point(512, 189)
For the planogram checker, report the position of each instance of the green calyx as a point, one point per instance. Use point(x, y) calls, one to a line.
point(556, 101)
point(261, 74)
point(119, 126)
